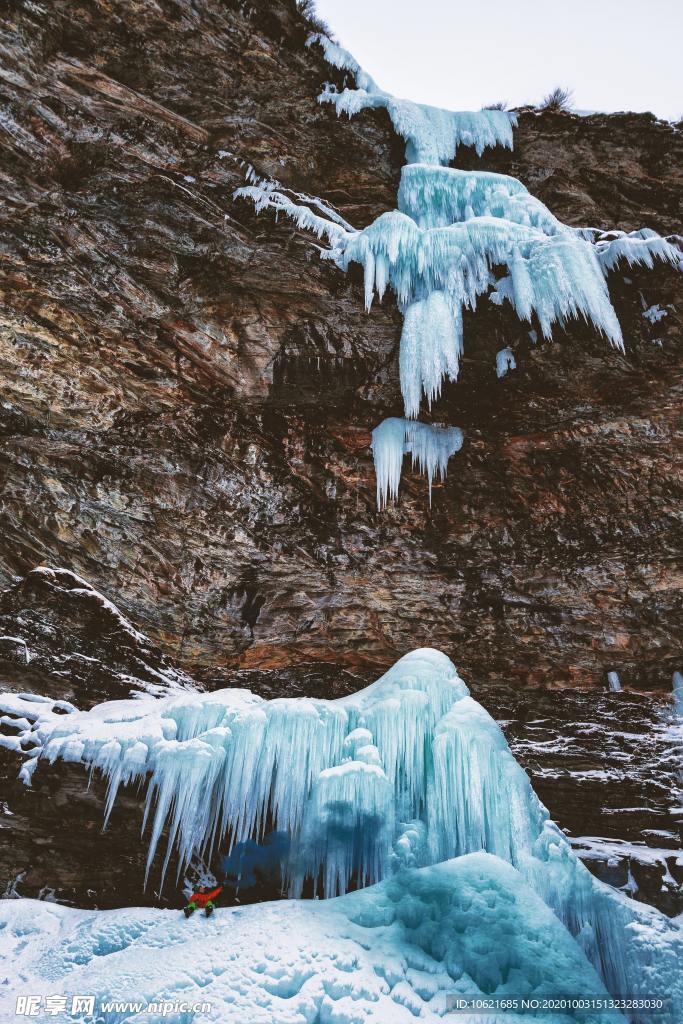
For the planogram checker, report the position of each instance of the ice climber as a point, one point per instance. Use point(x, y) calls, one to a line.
point(203, 898)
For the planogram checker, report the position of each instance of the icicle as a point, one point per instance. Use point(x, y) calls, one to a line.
point(481, 799)
point(348, 828)
point(505, 361)
point(388, 449)
point(614, 682)
point(431, 446)
point(431, 344)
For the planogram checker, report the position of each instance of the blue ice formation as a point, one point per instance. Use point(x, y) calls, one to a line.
point(453, 230)
point(407, 948)
point(431, 135)
point(677, 690)
point(436, 197)
point(505, 361)
point(634, 248)
point(431, 346)
point(430, 445)
point(556, 277)
point(408, 772)
point(614, 682)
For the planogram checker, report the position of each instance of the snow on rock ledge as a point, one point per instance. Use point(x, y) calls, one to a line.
point(26, 720)
point(66, 639)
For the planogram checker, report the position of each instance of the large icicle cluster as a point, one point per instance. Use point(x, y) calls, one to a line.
point(222, 764)
point(408, 772)
point(430, 445)
point(555, 277)
point(453, 229)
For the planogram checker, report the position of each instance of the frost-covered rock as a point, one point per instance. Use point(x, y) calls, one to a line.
point(64, 638)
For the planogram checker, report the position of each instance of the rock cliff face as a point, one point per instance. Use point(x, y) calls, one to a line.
point(189, 393)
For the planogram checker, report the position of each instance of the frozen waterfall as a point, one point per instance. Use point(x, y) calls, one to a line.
point(614, 682)
point(409, 772)
point(440, 249)
point(677, 691)
point(438, 196)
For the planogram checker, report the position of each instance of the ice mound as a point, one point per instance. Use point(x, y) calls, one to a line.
point(410, 771)
point(408, 947)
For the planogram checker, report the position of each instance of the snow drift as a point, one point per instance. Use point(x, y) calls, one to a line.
point(405, 948)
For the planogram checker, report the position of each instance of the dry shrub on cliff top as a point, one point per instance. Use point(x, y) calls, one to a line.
point(314, 22)
point(559, 99)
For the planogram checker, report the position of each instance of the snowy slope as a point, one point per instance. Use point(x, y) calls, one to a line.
point(402, 949)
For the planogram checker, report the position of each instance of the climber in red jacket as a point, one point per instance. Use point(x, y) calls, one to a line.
point(202, 898)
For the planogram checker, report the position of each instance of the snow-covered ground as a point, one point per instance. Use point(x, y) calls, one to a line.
point(406, 948)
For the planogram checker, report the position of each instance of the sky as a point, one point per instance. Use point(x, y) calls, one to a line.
point(462, 54)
